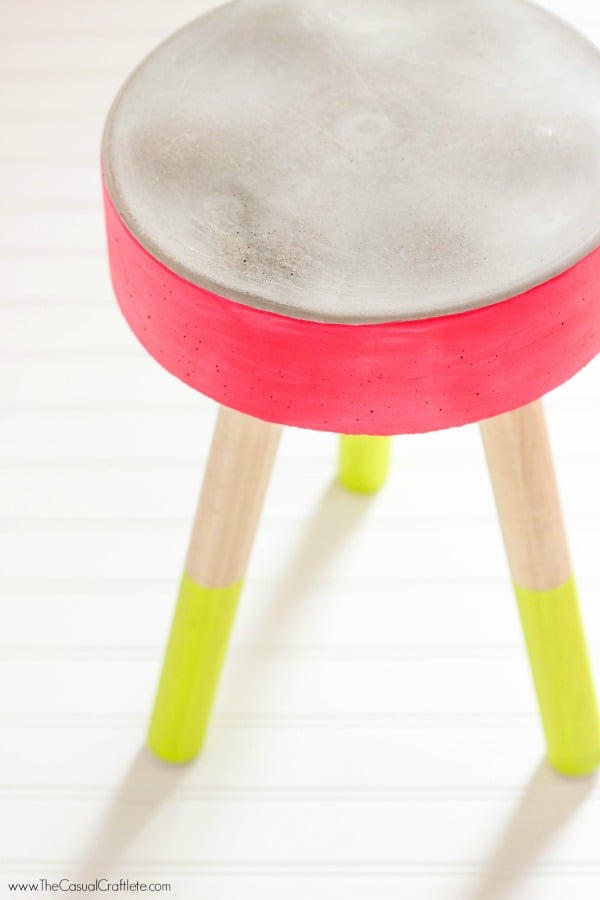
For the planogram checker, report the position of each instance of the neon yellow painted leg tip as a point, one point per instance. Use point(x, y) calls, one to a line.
point(191, 668)
point(363, 462)
point(574, 768)
point(163, 751)
point(562, 677)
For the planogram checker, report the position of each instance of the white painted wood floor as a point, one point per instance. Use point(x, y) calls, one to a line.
point(375, 735)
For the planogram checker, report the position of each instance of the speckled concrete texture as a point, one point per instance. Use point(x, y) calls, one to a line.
point(345, 161)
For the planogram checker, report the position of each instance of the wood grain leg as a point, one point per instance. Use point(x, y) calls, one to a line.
point(522, 473)
point(239, 466)
point(363, 462)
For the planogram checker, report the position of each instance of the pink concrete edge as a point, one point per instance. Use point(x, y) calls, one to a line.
point(386, 378)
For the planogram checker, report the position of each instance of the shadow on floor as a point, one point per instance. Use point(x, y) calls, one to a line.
point(547, 803)
point(147, 784)
point(337, 514)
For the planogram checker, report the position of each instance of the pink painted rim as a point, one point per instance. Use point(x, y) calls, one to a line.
point(385, 378)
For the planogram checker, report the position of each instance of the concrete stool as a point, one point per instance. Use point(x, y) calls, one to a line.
point(373, 219)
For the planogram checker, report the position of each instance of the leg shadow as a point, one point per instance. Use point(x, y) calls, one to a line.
point(338, 513)
point(144, 788)
point(547, 803)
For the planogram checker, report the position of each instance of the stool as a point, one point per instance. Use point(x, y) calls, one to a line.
point(372, 219)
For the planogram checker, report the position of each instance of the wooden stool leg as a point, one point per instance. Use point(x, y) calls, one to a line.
point(239, 466)
point(522, 473)
point(363, 462)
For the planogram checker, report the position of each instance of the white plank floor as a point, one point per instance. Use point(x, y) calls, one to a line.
point(375, 735)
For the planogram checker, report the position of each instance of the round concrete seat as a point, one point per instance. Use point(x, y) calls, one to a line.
point(351, 163)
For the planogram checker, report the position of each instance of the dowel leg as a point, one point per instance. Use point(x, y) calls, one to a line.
point(363, 462)
point(522, 473)
point(239, 466)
